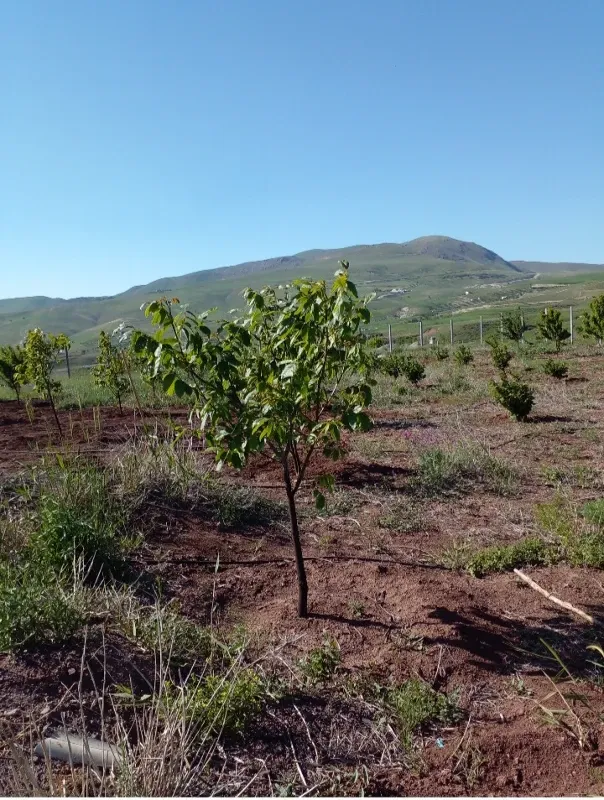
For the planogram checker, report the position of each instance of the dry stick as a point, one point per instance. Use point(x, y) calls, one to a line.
point(556, 600)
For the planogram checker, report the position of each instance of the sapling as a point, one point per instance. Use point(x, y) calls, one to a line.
point(11, 369)
point(286, 379)
point(110, 369)
point(551, 327)
point(41, 354)
point(592, 321)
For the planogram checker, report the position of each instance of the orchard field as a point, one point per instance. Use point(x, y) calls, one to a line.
point(425, 666)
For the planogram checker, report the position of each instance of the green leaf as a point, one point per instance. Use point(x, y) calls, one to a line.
point(320, 501)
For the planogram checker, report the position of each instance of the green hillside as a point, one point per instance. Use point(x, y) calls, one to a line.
point(431, 277)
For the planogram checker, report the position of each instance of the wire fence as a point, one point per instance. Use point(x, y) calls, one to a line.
point(461, 331)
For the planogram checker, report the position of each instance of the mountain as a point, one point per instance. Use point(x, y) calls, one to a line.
point(425, 276)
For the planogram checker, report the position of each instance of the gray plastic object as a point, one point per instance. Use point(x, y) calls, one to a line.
point(75, 750)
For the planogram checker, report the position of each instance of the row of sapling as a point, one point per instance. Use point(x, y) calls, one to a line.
point(287, 378)
point(41, 354)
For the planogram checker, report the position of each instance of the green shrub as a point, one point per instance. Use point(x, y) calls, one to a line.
point(463, 355)
point(415, 705)
point(500, 354)
point(34, 606)
point(320, 663)
point(400, 364)
point(220, 703)
point(527, 552)
point(516, 397)
point(461, 469)
point(556, 369)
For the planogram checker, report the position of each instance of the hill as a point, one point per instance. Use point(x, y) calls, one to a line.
point(557, 267)
point(428, 276)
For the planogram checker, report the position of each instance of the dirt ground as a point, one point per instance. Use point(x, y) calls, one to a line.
point(395, 605)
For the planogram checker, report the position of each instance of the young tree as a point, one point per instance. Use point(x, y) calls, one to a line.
point(136, 354)
point(592, 321)
point(551, 327)
point(512, 325)
point(280, 379)
point(11, 368)
point(110, 369)
point(41, 353)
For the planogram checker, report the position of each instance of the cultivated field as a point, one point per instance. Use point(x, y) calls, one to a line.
point(426, 666)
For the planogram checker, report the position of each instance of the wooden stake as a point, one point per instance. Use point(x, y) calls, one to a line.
point(451, 329)
point(572, 335)
point(389, 338)
point(481, 338)
point(556, 600)
point(67, 362)
point(421, 333)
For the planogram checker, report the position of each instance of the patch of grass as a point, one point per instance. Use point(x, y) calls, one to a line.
point(442, 472)
point(403, 516)
point(593, 511)
point(319, 665)
point(416, 706)
point(34, 606)
point(578, 475)
point(505, 558)
point(225, 704)
point(77, 519)
point(582, 543)
point(452, 384)
point(241, 506)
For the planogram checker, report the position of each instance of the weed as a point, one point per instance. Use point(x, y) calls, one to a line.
point(235, 506)
point(357, 609)
point(415, 705)
point(440, 353)
point(227, 703)
point(582, 544)
point(319, 665)
point(516, 397)
point(457, 556)
point(504, 558)
point(34, 606)
point(403, 516)
point(461, 469)
point(78, 519)
point(593, 511)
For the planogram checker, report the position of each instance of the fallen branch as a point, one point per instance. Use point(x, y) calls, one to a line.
point(556, 600)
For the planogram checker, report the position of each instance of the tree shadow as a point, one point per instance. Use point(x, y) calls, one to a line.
point(547, 418)
point(354, 623)
point(403, 425)
point(360, 476)
point(503, 645)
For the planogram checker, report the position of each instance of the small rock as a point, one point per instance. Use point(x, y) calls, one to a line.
point(501, 781)
point(71, 671)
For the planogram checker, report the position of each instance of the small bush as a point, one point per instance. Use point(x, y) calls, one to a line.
point(221, 703)
point(34, 606)
point(555, 369)
point(320, 663)
point(527, 552)
point(500, 354)
point(463, 355)
point(440, 353)
point(459, 470)
point(516, 397)
point(415, 706)
point(400, 364)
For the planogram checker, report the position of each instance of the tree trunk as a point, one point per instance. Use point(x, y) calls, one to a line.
point(300, 569)
point(54, 411)
point(67, 362)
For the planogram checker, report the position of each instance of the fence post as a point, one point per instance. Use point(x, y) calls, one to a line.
point(451, 329)
point(572, 335)
point(389, 338)
point(421, 333)
point(481, 330)
point(501, 323)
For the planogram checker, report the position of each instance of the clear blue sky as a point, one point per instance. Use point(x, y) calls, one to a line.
point(140, 138)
